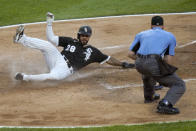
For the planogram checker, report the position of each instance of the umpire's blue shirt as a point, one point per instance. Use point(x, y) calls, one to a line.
point(154, 41)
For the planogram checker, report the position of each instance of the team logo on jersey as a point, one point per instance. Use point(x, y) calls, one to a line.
point(87, 53)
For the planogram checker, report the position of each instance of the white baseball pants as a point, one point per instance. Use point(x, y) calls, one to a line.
point(58, 68)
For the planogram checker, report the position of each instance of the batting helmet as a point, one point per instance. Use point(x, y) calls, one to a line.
point(84, 30)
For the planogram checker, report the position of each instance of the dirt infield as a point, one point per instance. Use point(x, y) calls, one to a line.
point(98, 94)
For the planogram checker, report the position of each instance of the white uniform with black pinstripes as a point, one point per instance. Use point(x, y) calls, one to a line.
point(58, 68)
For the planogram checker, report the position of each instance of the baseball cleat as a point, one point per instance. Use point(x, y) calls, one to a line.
point(19, 76)
point(19, 33)
point(50, 15)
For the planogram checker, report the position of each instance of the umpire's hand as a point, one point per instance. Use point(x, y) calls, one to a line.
point(127, 65)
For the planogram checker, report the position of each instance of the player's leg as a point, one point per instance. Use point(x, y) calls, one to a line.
point(53, 57)
point(59, 74)
point(49, 51)
point(53, 75)
point(39, 77)
point(34, 43)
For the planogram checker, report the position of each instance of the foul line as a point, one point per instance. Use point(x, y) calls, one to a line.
point(122, 46)
point(133, 85)
point(94, 126)
point(113, 47)
point(187, 44)
point(110, 87)
point(191, 79)
point(105, 17)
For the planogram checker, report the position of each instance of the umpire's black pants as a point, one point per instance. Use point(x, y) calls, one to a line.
point(150, 71)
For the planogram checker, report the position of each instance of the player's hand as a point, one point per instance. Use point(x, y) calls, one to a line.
point(49, 18)
point(127, 65)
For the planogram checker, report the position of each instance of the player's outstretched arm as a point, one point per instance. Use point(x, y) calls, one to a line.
point(115, 62)
point(49, 31)
point(132, 55)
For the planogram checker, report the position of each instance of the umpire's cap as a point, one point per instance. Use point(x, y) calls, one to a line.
point(85, 30)
point(157, 20)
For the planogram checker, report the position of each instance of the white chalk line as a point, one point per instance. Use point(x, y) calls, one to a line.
point(132, 85)
point(105, 17)
point(94, 126)
point(110, 87)
point(122, 46)
point(187, 44)
point(190, 79)
point(113, 47)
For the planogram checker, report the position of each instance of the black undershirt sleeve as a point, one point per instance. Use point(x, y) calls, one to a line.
point(136, 47)
point(167, 51)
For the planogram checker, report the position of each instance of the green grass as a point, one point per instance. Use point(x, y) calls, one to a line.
point(177, 126)
point(24, 11)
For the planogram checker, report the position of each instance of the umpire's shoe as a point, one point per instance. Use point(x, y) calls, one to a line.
point(153, 98)
point(165, 107)
point(19, 76)
point(19, 34)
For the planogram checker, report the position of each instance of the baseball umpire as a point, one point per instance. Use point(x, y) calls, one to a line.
point(75, 55)
point(147, 50)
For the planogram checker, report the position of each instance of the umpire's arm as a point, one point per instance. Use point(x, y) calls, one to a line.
point(134, 48)
point(170, 52)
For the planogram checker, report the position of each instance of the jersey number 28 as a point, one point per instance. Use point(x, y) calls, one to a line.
point(70, 48)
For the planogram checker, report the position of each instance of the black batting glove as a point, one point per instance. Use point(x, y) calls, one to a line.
point(127, 65)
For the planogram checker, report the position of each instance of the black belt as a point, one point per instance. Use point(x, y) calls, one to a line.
point(67, 61)
point(148, 56)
